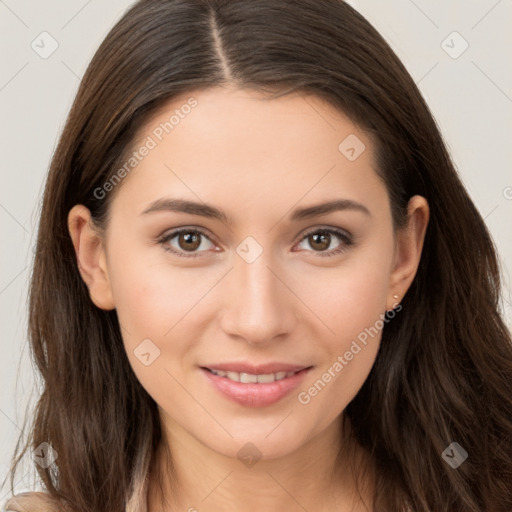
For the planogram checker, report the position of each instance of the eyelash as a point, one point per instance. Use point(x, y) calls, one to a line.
point(347, 241)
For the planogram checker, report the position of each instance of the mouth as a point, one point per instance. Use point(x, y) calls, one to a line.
point(255, 388)
point(252, 378)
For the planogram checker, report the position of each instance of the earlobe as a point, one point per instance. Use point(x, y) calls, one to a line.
point(91, 257)
point(409, 246)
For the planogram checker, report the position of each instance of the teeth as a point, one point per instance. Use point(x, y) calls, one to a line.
point(233, 376)
point(249, 378)
point(268, 377)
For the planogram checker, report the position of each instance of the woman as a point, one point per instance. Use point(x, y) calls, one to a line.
point(259, 282)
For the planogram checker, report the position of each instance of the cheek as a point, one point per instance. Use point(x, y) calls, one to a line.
point(352, 296)
point(151, 295)
point(155, 305)
point(351, 301)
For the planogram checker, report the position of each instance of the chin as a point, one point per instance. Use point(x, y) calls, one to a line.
point(261, 440)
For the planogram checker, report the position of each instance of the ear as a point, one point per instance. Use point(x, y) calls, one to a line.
point(91, 257)
point(409, 244)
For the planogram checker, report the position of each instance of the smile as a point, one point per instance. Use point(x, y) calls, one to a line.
point(254, 390)
point(249, 378)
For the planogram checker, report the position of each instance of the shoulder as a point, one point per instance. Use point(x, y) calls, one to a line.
point(33, 502)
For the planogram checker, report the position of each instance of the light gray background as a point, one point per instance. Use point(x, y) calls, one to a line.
point(470, 96)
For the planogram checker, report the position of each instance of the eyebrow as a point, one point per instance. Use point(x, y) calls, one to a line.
point(206, 210)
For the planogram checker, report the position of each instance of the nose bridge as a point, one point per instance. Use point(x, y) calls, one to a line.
point(258, 305)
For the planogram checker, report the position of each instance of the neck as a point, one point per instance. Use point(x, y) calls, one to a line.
point(319, 476)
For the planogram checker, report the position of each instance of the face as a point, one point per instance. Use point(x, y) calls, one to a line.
point(266, 286)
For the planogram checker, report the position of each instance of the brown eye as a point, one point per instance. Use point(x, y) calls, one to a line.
point(321, 239)
point(188, 241)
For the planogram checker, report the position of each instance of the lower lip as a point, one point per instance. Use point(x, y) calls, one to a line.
point(256, 395)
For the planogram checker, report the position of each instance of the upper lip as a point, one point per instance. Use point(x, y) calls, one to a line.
point(260, 369)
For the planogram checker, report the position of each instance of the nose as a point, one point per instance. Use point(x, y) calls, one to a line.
point(259, 305)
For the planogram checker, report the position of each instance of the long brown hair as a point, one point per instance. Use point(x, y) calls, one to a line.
point(443, 373)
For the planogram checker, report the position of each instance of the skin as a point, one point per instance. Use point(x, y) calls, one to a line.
point(258, 160)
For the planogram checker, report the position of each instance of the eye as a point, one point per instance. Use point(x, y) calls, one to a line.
point(188, 240)
point(321, 238)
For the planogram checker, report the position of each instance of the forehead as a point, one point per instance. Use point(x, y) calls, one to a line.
point(225, 143)
point(244, 122)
